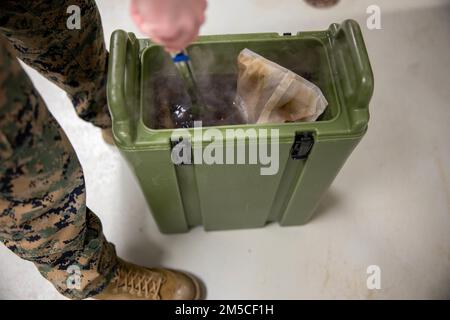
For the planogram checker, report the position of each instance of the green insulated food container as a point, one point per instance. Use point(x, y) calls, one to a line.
point(236, 196)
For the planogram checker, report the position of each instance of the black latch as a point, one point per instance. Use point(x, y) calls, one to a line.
point(302, 146)
point(287, 34)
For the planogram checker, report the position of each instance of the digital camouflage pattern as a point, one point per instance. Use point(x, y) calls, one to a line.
point(75, 60)
point(43, 213)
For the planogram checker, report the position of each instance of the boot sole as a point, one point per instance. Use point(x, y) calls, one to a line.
point(198, 292)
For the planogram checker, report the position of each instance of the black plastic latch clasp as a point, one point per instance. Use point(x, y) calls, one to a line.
point(302, 146)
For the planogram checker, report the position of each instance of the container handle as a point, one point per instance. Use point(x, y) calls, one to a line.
point(350, 48)
point(124, 50)
point(116, 75)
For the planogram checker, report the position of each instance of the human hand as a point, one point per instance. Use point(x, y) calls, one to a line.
point(173, 24)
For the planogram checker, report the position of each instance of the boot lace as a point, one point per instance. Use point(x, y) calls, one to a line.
point(132, 281)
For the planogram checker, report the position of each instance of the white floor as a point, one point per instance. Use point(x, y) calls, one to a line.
point(390, 205)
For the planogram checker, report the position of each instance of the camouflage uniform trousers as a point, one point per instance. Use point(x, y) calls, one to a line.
point(43, 213)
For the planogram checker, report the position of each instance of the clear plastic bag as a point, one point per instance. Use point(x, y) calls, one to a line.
point(270, 93)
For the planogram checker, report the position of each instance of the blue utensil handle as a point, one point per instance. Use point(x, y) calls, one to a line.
point(180, 57)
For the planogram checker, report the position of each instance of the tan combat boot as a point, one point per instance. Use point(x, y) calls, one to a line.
point(133, 282)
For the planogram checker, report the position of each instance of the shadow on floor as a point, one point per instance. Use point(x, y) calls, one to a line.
point(137, 227)
point(327, 205)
